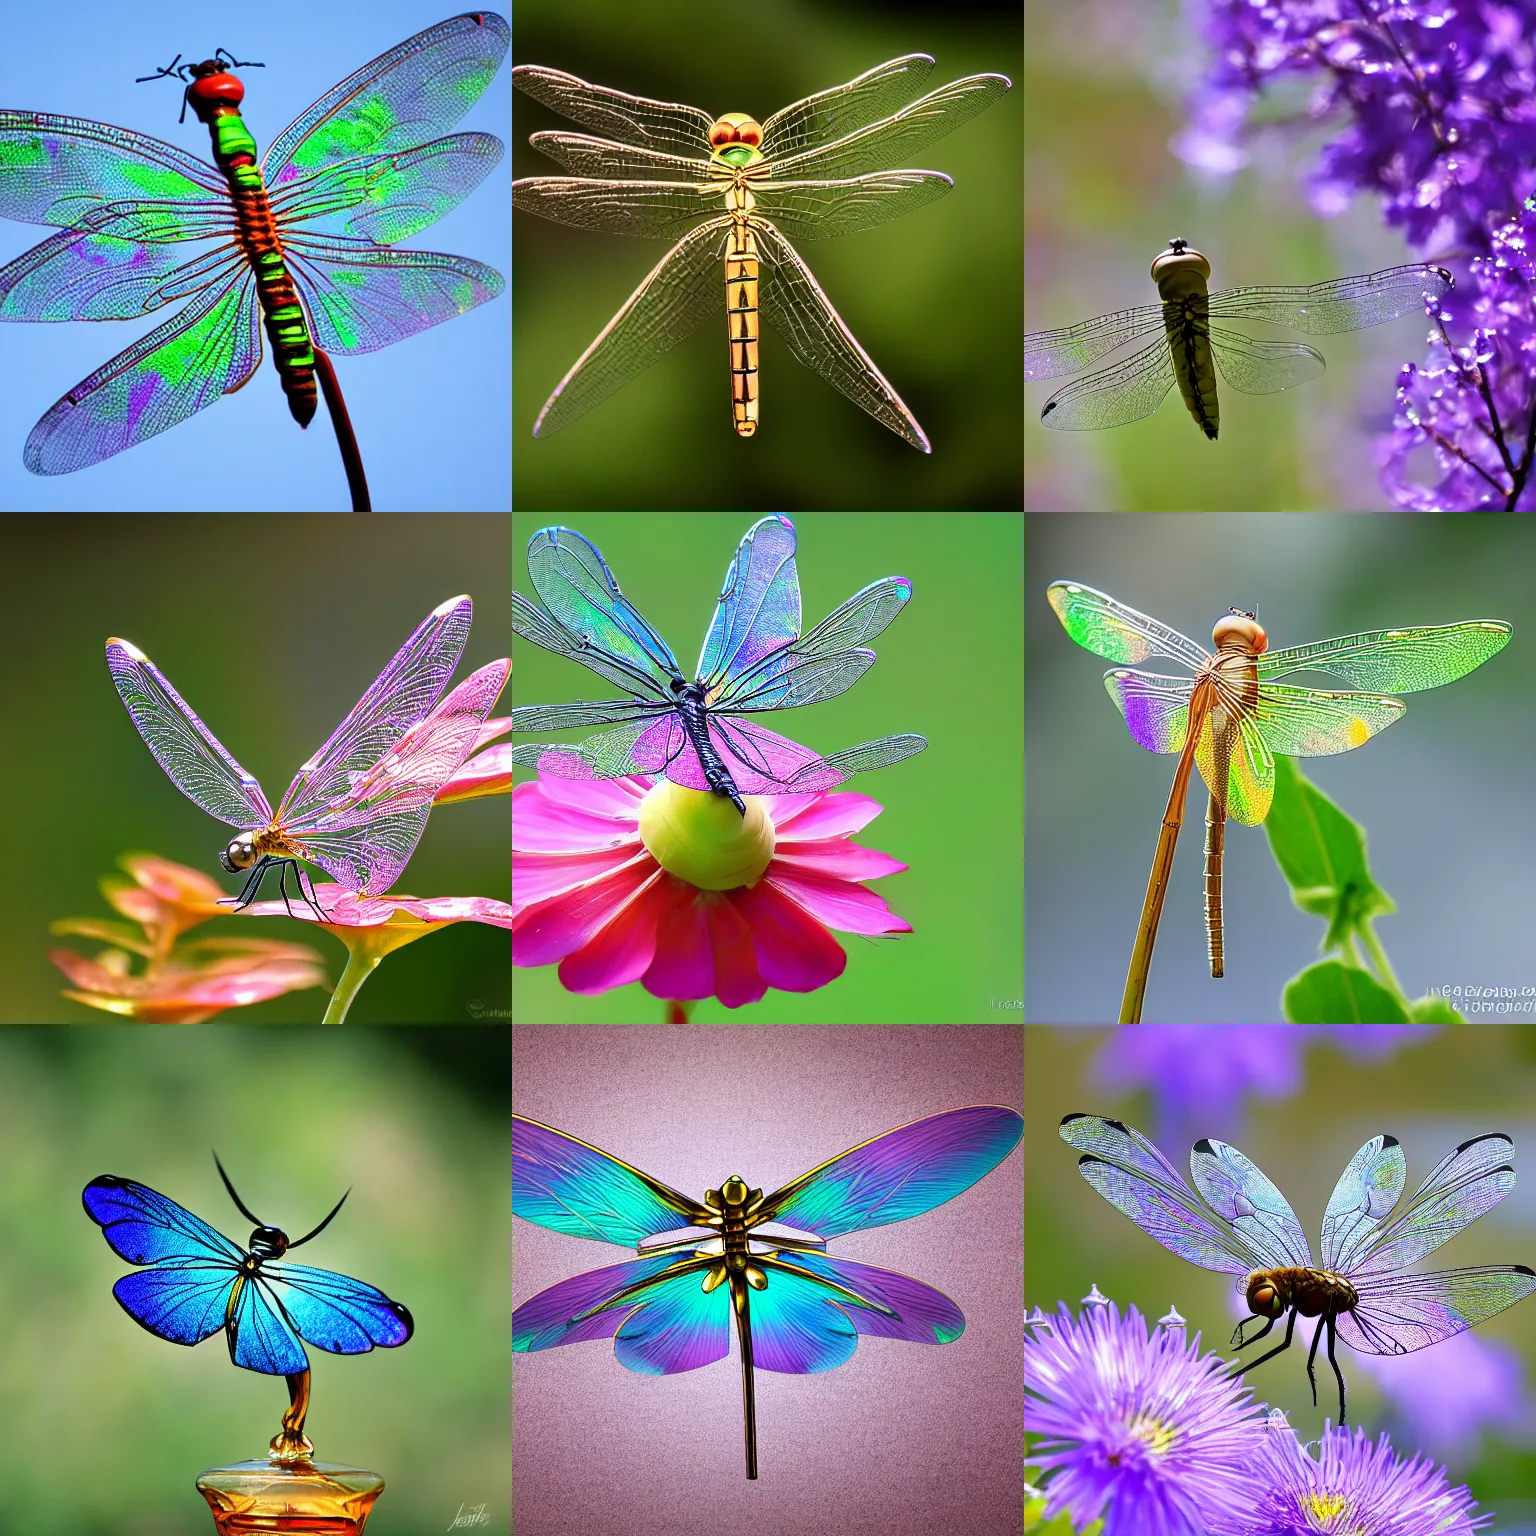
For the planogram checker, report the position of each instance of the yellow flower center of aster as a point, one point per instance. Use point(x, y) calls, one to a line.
point(701, 837)
point(1324, 1506)
point(1153, 1433)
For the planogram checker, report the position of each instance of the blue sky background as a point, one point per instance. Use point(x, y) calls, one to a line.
point(431, 413)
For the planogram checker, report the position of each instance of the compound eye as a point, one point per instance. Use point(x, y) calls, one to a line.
point(1265, 1299)
point(751, 137)
point(721, 135)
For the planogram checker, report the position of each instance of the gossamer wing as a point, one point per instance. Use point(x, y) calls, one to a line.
point(754, 660)
point(1362, 1292)
point(1188, 348)
point(796, 1309)
point(358, 807)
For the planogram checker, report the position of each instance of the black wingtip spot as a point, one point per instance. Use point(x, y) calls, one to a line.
point(1076, 1114)
point(1390, 1141)
point(1204, 1145)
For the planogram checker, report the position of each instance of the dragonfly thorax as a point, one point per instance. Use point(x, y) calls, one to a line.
point(268, 1243)
point(243, 851)
point(1237, 630)
point(1273, 1292)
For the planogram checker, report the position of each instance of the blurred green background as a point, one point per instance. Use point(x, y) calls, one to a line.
point(271, 628)
point(1105, 89)
point(108, 1427)
point(948, 669)
point(1432, 1095)
point(1444, 795)
point(932, 297)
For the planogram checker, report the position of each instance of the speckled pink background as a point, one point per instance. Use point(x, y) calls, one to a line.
point(902, 1440)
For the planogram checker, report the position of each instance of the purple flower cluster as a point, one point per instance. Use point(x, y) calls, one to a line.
point(1136, 1427)
point(1436, 101)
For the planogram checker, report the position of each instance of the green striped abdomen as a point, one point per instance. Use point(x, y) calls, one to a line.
point(1189, 339)
point(256, 230)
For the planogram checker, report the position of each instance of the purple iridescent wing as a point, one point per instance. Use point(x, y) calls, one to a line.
point(400, 696)
point(1256, 1211)
point(758, 611)
point(1397, 1314)
point(191, 755)
point(918, 1313)
point(555, 1315)
point(1463, 1186)
point(900, 1174)
point(1142, 1184)
point(569, 1186)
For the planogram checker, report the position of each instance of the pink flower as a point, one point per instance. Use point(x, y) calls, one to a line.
point(635, 879)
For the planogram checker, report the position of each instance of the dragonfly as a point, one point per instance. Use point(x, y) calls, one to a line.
point(302, 244)
point(1184, 346)
point(1231, 717)
point(357, 808)
point(796, 1308)
point(733, 193)
point(194, 1282)
point(754, 660)
point(1363, 1292)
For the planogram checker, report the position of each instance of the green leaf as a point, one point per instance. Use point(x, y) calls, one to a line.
point(1331, 992)
point(1433, 1010)
point(1321, 853)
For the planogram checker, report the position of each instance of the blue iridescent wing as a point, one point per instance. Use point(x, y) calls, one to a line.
point(260, 1337)
point(556, 1315)
point(903, 1173)
point(183, 1301)
point(758, 611)
point(144, 1227)
point(918, 1313)
point(1238, 1192)
point(335, 1312)
point(568, 1186)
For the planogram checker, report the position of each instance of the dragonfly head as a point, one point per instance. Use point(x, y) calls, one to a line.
point(1265, 1296)
point(268, 1242)
point(1179, 270)
point(734, 1191)
point(1240, 631)
point(737, 139)
point(240, 854)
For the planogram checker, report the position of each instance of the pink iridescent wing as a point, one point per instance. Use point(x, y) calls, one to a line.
point(900, 1174)
point(191, 755)
point(400, 696)
point(1397, 1314)
point(364, 837)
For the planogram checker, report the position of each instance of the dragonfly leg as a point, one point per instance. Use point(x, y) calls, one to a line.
point(1332, 1335)
point(309, 893)
point(1280, 1348)
point(252, 886)
point(1312, 1353)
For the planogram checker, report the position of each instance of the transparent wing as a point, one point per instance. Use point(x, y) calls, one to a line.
point(1125, 391)
point(1156, 709)
point(1248, 788)
point(570, 1186)
point(807, 682)
point(1396, 660)
point(661, 125)
point(794, 305)
point(1108, 628)
point(649, 744)
point(531, 624)
point(1464, 1185)
point(819, 210)
point(400, 697)
point(833, 114)
point(1307, 722)
point(646, 208)
point(335, 1312)
point(764, 763)
point(1050, 354)
point(567, 717)
point(1263, 367)
point(1398, 1314)
point(684, 289)
point(758, 610)
point(1362, 1199)
point(191, 755)
point(582, 596)
point(585, 156)
point(898, 1175)
point(146, 1227)
point(893, 138)
point(1235, 1189)
point(1141, 1183)
point(1344, 304)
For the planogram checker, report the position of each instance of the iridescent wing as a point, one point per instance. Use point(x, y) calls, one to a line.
point(1343, 304)
point(898, 1175)
point(260, 1338)
point(569, 1186)
point(398, 698)
point(831, 115)
point(1070, 348)
point(1125, 391)
point(1397, 1314)
point(1130, 1173)
point(758, 610)
point(395, 102)
point(799, 1325)
point(191, 755)
point(335, 1312)
point(659, 125)
point(1396, 660)
point(1467, 1183)
point(1255, 1210)
point(588, 1306)
point(915, 1312)
point(1111, 629)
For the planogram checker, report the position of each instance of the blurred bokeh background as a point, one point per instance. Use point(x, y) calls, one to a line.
point(902, 1437)
point(271, 629)
point(948, 669)
point(1443, 795)
point(932, 297)
point(108, 1427)
point(1299, 1104)
point(430, 412)
point(1105, 89)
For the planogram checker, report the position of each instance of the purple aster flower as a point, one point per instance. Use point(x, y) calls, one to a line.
point(1445, 1397)
point(1351, 1485)
point(1136, 1426)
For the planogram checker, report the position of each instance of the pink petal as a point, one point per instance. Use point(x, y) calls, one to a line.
point(795, 953)
point(850, 908)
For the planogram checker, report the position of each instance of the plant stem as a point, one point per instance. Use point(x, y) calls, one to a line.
point(360, 964)
point(346, 439)
point(1379, 959)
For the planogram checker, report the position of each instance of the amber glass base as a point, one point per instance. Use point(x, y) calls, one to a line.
point(312, 1498)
